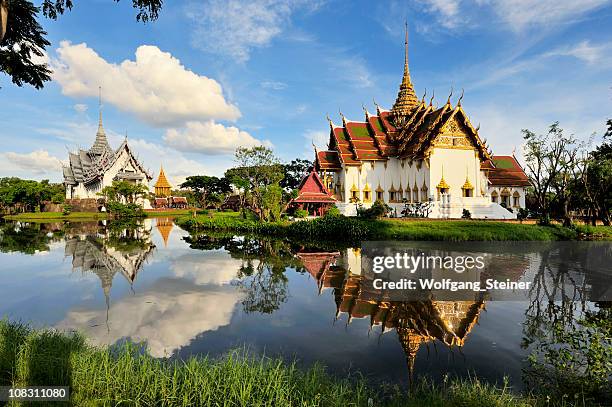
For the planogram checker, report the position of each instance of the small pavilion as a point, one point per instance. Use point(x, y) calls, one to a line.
point(313, 196)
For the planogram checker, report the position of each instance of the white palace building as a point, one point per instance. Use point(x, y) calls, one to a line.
point(416, 153)
point(91, 170)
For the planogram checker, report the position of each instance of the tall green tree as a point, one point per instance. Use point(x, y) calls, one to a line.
point(596, 181)
point(294, 172)
point(204, 186)
point(262, 170)
point(23, 40)
point(552, 162)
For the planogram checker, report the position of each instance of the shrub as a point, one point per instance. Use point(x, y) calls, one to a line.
point(466, 214)
point(202, 212)
point(333, 211)
point(121, 210)
point(66, 209)
point(301, 213)
point(378, 210)
point(522, 214)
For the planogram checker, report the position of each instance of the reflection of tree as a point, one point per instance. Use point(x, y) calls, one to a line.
point(27, 238)
point(262, 272)
point(570, 340)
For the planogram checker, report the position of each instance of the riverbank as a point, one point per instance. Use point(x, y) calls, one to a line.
point(355, 230)
point(103, 376)
point(87, 216)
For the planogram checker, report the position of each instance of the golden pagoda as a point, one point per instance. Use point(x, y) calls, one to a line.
point(162, 186)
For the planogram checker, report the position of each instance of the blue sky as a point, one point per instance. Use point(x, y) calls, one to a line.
point(211, 75)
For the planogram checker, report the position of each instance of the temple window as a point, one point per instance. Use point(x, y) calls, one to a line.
point(354, 193)
point(415, 195)
point(467, 188)
point(442, 187)
point(367, 194)
point(424, 197)
point(505, 197)
point(494, 197)
point(516, 199)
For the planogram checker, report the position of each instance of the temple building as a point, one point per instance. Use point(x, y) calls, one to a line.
point(89, 171)
point(419, 153)
point(162, 187)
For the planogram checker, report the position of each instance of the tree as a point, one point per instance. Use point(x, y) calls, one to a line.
point(124, 192)
point(28, 195)
point(596, 179)
point(204, 185)
point(552, 161)
point(261, 169)
point(294, 172)
point(23, 40)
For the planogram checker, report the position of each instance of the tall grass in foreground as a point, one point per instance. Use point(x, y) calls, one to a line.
point(128, 377)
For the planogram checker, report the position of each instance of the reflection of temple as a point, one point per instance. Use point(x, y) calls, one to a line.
point(164, 226)
point(416, 322)
point(106, 255)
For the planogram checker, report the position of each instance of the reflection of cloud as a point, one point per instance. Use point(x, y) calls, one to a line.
point(215, 268)
point(167, 316)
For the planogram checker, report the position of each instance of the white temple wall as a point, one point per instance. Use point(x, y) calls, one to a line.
point(455, 164)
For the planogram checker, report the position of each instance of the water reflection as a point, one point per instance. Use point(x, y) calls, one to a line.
point(185, 294)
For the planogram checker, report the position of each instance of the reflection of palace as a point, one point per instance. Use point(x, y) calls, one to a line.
point(106, 254)
point(416, 322)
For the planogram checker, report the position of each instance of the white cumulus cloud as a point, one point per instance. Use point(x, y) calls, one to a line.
point(37, 162)
point(209, 138)
point(155, 86)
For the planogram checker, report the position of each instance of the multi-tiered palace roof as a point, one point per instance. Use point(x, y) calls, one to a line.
point(89, 166)
point(409, 130)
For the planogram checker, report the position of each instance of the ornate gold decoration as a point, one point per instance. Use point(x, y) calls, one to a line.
point(406, 97)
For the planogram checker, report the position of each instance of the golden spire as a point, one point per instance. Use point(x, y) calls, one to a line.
point(162, 186)
point(406, 97)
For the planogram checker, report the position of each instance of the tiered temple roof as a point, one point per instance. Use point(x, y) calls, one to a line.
point(409, 130)
point(162, 181)
point(89, 166)
point(313, 190)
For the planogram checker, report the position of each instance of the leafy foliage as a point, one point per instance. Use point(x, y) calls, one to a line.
point(17, 194)
point(207, 189)
point(23, 40)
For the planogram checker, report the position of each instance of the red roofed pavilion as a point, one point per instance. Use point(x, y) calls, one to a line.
point(313, 196)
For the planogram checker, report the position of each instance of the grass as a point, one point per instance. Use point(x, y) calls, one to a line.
point(84, 216)
point(353, 229)
point(127, 376)
point(56, 216)
point(168, 212)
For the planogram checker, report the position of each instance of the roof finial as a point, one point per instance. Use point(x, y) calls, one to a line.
point(331, 124)
point(448, 102)
point(406, 43)
point(424, 94)
point(343, 118)
point(433, 94)
point(100, 105)
point(460, 98)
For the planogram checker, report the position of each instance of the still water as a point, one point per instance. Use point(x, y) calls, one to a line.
point(185, 295)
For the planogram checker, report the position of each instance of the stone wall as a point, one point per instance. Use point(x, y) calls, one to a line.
point(84, 205)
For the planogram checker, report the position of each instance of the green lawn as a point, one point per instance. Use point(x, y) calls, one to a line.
point(354, 230)
point(128, 377)
point(55, 216)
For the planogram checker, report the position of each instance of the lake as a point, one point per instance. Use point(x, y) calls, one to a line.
point(202, 295)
